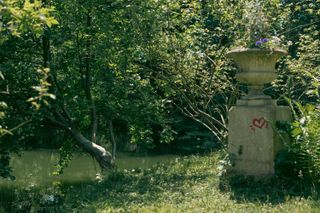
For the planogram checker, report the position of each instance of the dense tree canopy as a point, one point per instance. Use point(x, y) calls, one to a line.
point(146, 72)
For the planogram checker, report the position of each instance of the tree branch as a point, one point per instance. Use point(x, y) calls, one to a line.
point(17, 127)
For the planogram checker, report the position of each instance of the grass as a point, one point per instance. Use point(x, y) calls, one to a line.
point(187, 184)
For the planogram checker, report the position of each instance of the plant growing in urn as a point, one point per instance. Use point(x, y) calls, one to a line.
point(257, 53)
point(253, 143)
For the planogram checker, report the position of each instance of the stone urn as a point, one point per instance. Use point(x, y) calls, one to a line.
point(253, 142)
point(256, 68)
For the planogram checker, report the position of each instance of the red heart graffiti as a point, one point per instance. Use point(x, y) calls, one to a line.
point(260, 123)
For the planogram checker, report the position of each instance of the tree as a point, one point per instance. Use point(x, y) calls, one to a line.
point(18, 20)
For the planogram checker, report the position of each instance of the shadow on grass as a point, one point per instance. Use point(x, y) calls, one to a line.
point(124, 188)
point(272, 190)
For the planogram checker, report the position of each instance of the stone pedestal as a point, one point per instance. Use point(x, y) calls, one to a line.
point(253, 139)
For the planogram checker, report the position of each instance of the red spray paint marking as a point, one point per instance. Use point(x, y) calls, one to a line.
point(258, 123)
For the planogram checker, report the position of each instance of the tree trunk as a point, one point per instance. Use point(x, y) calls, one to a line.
point(102, 156)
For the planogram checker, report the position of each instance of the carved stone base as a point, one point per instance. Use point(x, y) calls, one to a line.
point(253, 140)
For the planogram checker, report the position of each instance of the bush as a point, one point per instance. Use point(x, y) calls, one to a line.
point(302, 158)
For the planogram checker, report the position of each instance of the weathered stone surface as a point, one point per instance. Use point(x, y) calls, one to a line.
point(253, 140)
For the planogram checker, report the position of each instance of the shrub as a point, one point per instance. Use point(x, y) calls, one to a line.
point(302, 158)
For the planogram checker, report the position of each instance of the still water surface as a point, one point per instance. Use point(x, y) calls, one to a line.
point(36, 167)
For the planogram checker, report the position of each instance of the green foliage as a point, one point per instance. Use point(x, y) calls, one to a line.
point(19, 20)
point(192, 137)
point(302, 159)
point(261, 24)
point(299, 75)
point(42, 90)
point(299, 81)
point(65, 157)
point(5, 169)
point(3, 107)
point(24, 17)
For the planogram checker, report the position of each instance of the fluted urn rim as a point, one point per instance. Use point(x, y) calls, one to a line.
point(257, 50)
point(256, 67)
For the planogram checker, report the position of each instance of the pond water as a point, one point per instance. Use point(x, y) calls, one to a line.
point(37, 167)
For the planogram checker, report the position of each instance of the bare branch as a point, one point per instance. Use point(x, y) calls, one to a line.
point(17, 127)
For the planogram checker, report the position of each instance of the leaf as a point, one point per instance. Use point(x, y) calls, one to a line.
point(27, 5)
point(31, 99)
point(1, 75)
point(36, 105)
point(4, 132)
point(52, 96)
point(3, 104)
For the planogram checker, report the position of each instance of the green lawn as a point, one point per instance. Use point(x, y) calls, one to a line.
point(188, 184)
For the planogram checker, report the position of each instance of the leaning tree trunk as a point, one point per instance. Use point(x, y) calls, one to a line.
point(102, 156)
point(62, 120)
